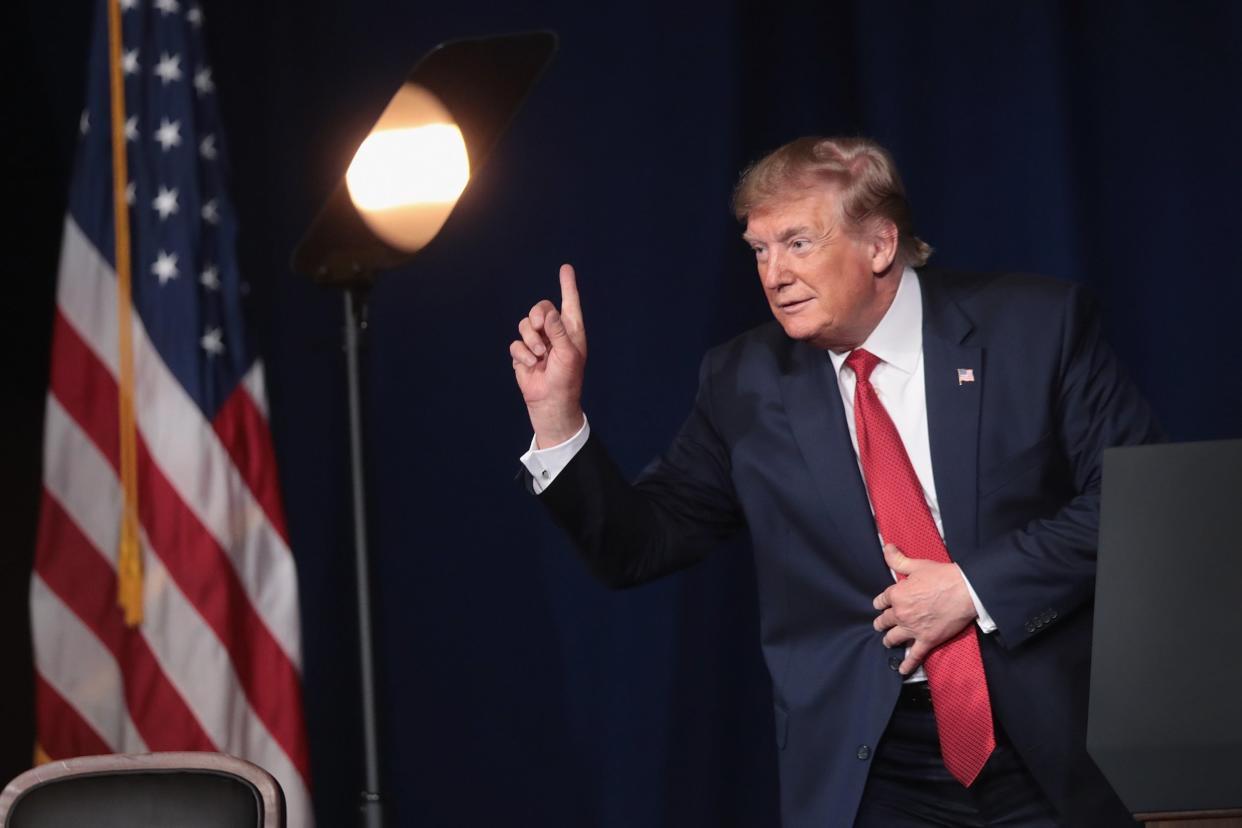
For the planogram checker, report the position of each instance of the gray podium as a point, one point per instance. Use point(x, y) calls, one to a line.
point(1165, 722)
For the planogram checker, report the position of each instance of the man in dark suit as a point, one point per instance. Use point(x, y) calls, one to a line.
point(942, 431)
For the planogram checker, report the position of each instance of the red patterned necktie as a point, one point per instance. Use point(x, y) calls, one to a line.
point(955, 668)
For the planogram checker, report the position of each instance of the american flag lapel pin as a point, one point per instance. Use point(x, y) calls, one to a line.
point(965, 375)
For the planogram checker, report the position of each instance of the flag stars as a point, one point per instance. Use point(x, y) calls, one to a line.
point(212, 341)
point(131, 194)
point(210, 277)
point(168, 6)
point(129, 62)
point(128, 5)
point(169, 68)
point(165, 203)
point(207, 147)
point(195, 16)
point(84, 122)
point(169, 134)
point(165, 267)
point(131, 128)
point(203, 82)
point(211, 211)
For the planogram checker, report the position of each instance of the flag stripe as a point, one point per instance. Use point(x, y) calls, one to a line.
point(186, 445)
point(76, 664)
point(243, 432)
point(72, 568)
point(173, 628)
point(62, 730)
point(193, 558)
point(256, 385)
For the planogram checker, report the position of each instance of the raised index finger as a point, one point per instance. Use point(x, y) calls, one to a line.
point(571, 307)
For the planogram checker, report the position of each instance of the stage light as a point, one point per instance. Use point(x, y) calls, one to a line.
point(410, 168)
point(409, 172)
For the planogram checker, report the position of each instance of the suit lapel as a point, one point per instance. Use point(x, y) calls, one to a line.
point(817, 417)
point(953, 404)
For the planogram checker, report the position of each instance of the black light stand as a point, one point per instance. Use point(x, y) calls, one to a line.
point(481, 83)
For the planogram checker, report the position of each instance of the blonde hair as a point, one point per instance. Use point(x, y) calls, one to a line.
point(860, 171)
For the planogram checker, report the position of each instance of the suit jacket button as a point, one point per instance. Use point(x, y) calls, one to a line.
point(1052, 615)
point(1030, 626)
point(864, 752)
point(894, 662)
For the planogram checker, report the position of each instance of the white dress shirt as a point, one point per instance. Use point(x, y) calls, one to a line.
point(898, 382)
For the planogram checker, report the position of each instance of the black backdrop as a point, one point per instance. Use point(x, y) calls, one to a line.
point(1093, 141)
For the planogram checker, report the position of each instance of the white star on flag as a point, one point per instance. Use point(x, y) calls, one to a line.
point(169, 134)
point(165, 266)
point(207, 147)
point(203, 82)
point(129, 62)
point(169, 67)
point(127, 5)
point(131, 193)
point(167, 6)
point(84, 123)
point(212, 341)
point(195, 16)
point(131, 128)
point(211, 211)
point(210, 277)
point(165, 202)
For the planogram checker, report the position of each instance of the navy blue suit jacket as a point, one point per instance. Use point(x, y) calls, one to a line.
point(1016, 459)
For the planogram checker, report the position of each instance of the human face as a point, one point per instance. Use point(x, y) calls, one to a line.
point(824, 286)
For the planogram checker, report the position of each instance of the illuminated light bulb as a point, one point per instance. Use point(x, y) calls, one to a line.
point(404, 167)
point(407, 175)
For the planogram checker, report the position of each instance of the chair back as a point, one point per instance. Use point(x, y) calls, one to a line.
point(153, 790)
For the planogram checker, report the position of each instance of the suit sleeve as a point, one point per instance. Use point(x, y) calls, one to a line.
point(1045, 570)
point(678, 509)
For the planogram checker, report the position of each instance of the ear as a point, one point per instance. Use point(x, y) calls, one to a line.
point(883, 246)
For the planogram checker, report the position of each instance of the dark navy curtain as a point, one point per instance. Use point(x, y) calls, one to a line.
point(1093, 141)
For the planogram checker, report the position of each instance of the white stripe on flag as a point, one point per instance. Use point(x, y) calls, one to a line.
point(256, 386)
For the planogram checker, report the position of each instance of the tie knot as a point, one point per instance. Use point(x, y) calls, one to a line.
point(863, 363)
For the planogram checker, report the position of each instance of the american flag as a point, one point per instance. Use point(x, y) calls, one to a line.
point(214, 663)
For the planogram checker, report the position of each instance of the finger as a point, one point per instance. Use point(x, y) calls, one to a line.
point(883, 600)
point(522, 354)
point(539, 313)
point(532, 338)
point(914, 658)
point(897, 636)
point(885, 620)
point(554, 327)
point(571, 305)
point(897, 561)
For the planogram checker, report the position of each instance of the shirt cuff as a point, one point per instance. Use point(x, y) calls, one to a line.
point(985, 622)
point(545, 464)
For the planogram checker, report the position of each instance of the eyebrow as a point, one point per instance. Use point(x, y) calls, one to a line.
point(786, 234)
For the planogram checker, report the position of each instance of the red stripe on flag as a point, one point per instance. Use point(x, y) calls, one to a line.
point(63, 733)
point(245, 435)
point(83, 391)
point(198, 564)
point(81, 576)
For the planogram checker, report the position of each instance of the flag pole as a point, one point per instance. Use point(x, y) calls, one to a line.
point(129, 549)
point(370, 803)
